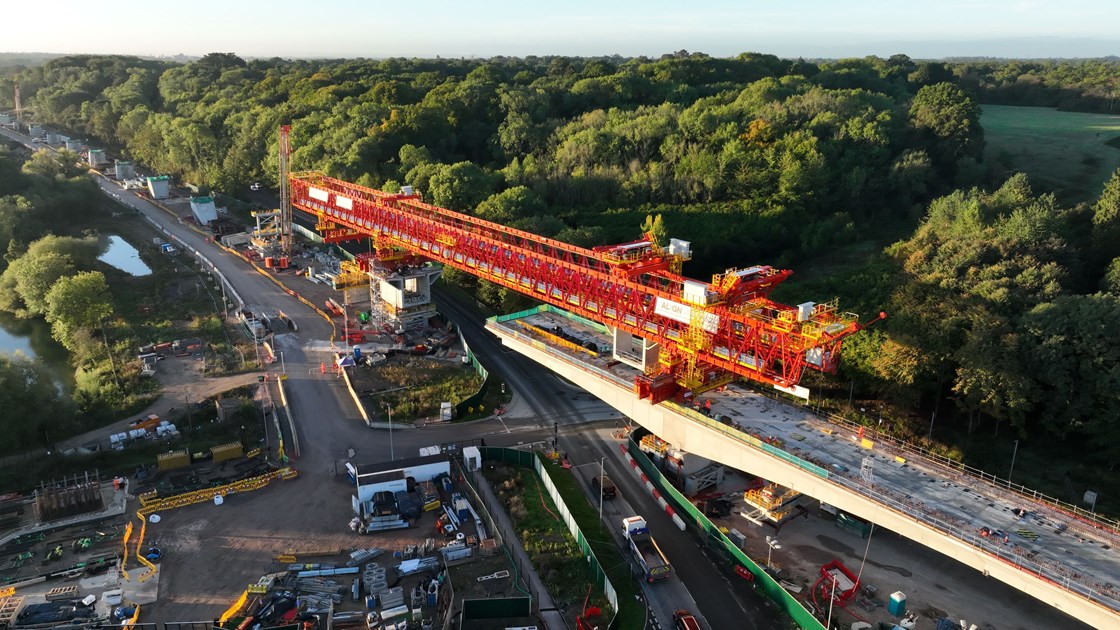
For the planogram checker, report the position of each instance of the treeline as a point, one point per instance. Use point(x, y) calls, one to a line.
point(1085, 85)
point(801, 155)
point(1004, 303)
point(998, 296)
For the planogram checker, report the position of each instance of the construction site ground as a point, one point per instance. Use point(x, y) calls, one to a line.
point(213, 552)
point(181, 381)
point(935, 585)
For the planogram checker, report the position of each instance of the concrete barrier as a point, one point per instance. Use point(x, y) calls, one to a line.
point(354, 395)
point(288, 414)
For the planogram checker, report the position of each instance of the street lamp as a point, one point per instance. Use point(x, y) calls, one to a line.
point(772, 543)
point(602, 473)
point(831, 602)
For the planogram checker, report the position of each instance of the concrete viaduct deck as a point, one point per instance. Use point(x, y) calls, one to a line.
point(1056, 558)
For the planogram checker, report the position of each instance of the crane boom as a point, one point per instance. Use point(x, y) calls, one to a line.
point(706, 330)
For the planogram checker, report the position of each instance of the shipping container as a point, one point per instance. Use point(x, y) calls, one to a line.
point(173, 459)
point(233, 450)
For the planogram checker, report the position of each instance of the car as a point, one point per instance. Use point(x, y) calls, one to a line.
point(605, 486)
point(683, 620)
point(256, 186)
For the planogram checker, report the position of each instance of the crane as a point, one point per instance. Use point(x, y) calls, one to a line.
point(707, 333)
point(285, 189)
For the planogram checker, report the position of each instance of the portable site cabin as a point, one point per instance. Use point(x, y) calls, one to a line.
point(392, 476)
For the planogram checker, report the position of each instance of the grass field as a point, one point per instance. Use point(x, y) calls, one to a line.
point(1069, 153)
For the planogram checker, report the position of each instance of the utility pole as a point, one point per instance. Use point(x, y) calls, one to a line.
point(392, 452)
point(1013, 454)
point(190, 419)
point(831, 601)
point(602, 474)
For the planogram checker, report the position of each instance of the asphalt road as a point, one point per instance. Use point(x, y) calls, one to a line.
point(697, 585)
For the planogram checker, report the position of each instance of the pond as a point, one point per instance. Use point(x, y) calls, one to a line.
point(32, 338)
point(122, 255)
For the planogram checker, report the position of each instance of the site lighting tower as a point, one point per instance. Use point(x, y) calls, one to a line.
point(772, 543)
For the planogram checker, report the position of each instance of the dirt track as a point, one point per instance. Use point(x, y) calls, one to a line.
point(181, 380)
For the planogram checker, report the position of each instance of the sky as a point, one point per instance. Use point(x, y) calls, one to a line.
point(484, 28)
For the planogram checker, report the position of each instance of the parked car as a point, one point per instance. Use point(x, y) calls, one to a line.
point(604, 484)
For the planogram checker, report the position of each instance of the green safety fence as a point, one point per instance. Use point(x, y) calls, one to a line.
point(717, 540)
point(518, 315)
point(548, 308)
point(529, 459)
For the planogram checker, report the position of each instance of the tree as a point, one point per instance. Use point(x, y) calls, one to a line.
point(1106, 219)
point(929, 73)
point(950, 118)
point(30, 277)
point(655, 226)
point(33, 408)
point(1076, 362)
point(1111, 281)
point(27, 280)
point(510, 205)
point(77, 302)
point(460, 186)
point(53, 165)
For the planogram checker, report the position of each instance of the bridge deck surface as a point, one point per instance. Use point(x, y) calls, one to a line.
point(1065, 548)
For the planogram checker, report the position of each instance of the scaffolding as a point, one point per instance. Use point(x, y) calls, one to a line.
point(75, 495)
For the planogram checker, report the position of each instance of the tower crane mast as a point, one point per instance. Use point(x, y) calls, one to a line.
point(707, 332)
point(285, 189)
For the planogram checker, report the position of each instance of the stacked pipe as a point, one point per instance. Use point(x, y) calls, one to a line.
point(361, 555)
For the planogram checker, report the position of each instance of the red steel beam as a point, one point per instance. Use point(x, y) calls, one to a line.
point(745, 336)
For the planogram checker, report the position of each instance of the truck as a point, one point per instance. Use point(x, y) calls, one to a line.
point(654, 565)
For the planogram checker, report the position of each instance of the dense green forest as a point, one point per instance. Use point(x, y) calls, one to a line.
point(867, 174)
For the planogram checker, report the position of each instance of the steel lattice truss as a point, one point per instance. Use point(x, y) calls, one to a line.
point(706, 331)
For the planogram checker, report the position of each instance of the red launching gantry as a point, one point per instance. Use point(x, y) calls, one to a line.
point(708, 333)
